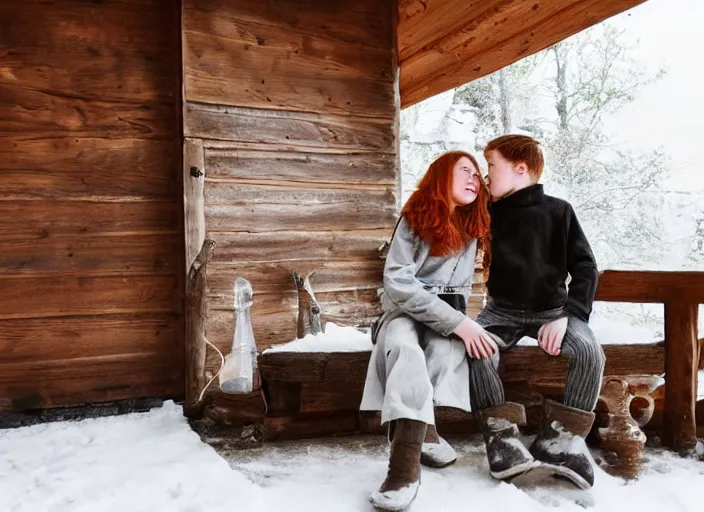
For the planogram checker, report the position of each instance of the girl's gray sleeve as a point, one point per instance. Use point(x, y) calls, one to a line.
point(407, 292)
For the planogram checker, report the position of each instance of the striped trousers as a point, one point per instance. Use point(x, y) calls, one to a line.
point(507, 327)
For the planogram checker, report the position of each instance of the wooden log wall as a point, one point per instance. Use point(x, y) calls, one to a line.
point(90, 266)
point(290, 119)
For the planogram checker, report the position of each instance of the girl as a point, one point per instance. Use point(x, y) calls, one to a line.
point(423, 336)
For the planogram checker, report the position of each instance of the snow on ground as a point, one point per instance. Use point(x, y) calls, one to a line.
point(338, 338)
point(139, 462)
point(154, 462)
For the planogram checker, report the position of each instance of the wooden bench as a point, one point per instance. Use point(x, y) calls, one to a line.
point(312, 394)
point(318, 394)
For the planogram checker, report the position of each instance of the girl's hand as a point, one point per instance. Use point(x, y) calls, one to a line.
point(550, 336)
point(477, 341)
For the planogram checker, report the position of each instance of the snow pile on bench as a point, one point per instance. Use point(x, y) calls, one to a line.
point(336, 338)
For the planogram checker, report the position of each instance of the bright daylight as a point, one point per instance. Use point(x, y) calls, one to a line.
point(351, 256)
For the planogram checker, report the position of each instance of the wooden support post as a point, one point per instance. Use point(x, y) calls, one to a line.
point(193, 197)
point(681, 364)
point(195, 330)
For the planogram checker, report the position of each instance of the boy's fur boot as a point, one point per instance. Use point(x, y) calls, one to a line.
point(507, 455)
point(436, 452)
point(560, 444)
point(403, 478)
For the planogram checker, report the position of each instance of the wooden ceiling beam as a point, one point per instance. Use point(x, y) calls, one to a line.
point(446, 43)
point(419, 20)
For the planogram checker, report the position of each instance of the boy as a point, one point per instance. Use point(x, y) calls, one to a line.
point(536, 242)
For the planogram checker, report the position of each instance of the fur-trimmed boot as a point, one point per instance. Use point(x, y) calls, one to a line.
point(436, 452)
point(403, 478)
point(560, 443)
point(507, 455)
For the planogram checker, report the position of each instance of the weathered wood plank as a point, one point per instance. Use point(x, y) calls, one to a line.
point(193, 198)
point(272, 278)
point(289, 166)
point(63, 48)
point(28, 114)
point(362, 301)
point(478, 27)
point(422, 23)
point(89, 213)
point(263, 218)
point(432, 70)
point(360, 22)
point(226, 193)
point(681, 364)
point(650, 286)
point(283, 397)
point(345, 397)
point(43, 384)
point(292, 246)
point(310, 425)
point(236, 408)
point(521, 363)
point(39, 297)
point(258, 208)
point(517, 365)
point(258, 43)
point(88, 255)
point(238, 72)
point(235, 54)
point(275, 129)
point(23, 340)
point(70, 168)
point(25, 221)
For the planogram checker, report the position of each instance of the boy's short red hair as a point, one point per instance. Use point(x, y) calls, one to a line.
point(520, 149)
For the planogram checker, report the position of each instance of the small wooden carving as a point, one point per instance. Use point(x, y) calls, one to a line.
point(309, 313)
point(195, 330)
point(622, 435)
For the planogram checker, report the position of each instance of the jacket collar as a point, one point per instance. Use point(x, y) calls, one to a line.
point(523, 197)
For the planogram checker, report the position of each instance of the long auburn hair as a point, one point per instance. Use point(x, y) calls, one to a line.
point(430, 214)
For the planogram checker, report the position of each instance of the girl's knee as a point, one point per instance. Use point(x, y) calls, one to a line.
point(444, 349)
point(402, 344)
point(402, 337)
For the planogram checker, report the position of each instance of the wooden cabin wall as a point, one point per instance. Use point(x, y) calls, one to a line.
point(90, 202)
point(291, 112)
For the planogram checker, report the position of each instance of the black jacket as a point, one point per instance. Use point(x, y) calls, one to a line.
point(536, 242)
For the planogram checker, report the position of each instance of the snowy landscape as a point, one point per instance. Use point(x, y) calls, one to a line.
point(154, 462)
point(637, 183)
point(619, 111)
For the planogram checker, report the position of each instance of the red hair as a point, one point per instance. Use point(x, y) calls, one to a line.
point(520, 149)
point(431, 216)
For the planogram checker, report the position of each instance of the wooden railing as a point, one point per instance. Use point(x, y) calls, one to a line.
point(681, 293)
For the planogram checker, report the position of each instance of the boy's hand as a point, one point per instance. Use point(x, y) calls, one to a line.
point(550, 336)
point(477, 341)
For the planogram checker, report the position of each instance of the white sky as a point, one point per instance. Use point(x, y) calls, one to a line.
point(669, 113)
